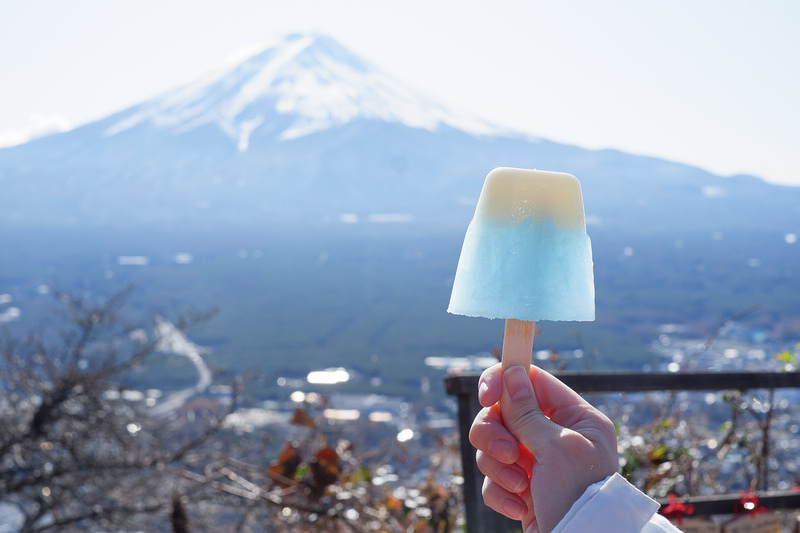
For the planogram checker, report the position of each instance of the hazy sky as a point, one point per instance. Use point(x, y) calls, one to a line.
point(710, 83)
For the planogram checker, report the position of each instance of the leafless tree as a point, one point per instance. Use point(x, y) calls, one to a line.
point(76, 448)
point(80, 450)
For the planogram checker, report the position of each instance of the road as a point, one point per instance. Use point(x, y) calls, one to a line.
point(172, 340)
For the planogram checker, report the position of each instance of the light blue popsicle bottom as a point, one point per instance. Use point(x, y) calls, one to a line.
point(529, 271)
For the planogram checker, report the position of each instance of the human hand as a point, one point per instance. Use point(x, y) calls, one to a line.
point(540, 445)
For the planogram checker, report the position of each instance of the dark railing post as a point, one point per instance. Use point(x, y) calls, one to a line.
point(480, 518)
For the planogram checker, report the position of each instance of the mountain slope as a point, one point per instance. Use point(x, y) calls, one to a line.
point(305, 132)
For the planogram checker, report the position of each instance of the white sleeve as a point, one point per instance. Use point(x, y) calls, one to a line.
point(614, 505)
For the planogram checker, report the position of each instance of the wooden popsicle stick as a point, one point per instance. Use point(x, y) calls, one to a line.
point(518, 343)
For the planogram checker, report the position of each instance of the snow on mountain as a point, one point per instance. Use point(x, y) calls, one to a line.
point(303, 132)
point(310, 80)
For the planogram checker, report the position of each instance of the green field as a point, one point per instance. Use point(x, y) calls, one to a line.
point(373, 299)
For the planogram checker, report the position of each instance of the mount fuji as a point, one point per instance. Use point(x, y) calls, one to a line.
point(305, 132)
point(302, 130)
point(298, 86)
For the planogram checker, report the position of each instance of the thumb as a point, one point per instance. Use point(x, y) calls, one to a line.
point(523, 416)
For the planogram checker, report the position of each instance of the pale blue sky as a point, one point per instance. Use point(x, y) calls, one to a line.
point(710, 83)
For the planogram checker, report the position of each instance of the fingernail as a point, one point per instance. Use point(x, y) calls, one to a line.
point(513, 509)
point(482, 388)
point(501, 450)
point(518, 383)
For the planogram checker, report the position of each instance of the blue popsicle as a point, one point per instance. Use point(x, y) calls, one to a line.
point(526, 257)
point(526, 254)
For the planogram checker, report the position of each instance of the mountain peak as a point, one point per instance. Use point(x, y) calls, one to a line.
point(301, 84)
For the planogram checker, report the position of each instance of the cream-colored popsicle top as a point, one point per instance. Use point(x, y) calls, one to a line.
point(511, 195)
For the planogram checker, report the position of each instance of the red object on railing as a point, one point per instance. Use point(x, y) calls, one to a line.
point(749, 504)
point(675, 510)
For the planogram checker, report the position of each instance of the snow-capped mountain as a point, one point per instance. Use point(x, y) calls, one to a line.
point(297, 86)
point(303, 131)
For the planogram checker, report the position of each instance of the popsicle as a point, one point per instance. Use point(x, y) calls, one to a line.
point(526, 257)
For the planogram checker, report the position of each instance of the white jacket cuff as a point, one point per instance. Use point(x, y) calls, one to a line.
point(614, 505)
